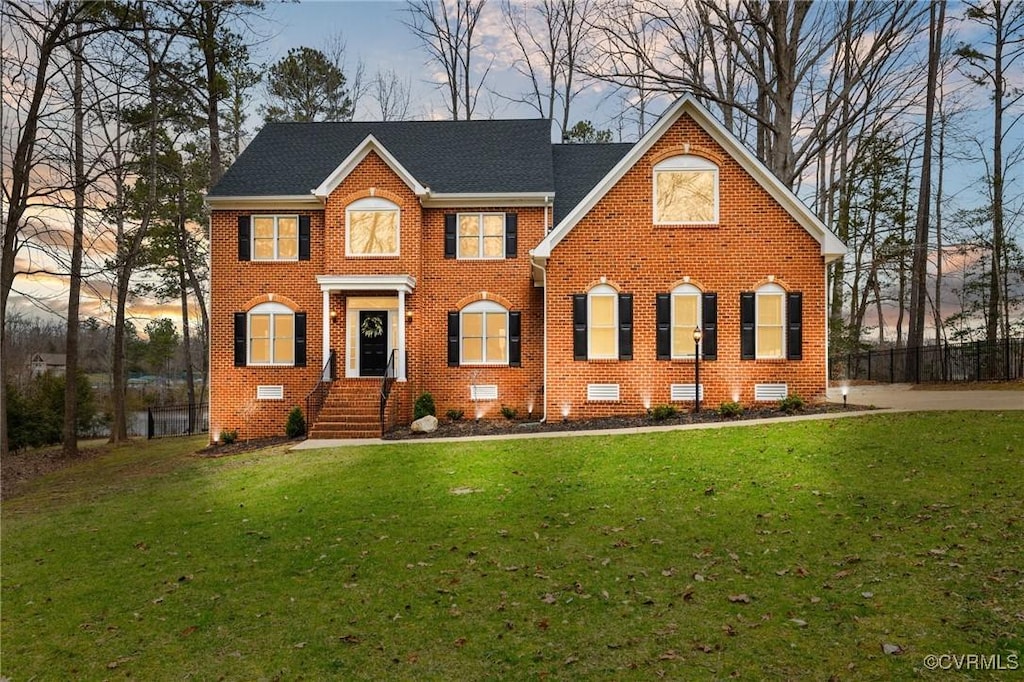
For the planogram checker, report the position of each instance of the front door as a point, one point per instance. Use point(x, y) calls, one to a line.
point(373, 342)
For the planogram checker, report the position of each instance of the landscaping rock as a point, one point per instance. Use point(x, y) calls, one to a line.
point(426, 424)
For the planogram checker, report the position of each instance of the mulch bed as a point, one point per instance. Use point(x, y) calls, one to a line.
point(238, 447)
point(496, 427)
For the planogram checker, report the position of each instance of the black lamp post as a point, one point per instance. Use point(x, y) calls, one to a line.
point(697, 333)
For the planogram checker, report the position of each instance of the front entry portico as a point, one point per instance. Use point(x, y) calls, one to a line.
point(375, 307)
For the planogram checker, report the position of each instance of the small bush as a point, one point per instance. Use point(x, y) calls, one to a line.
point(660, 413)
point(296, 424)
point(423, 406)
point(454, 415)
point(229, 436)
point(730, 409)
point(509, 413)
point(791, 403)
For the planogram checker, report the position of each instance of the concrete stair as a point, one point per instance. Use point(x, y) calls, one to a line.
point(351, 410)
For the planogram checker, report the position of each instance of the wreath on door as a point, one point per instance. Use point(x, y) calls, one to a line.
point(372, 327)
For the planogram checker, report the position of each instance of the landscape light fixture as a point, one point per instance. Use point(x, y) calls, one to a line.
point(697, 334)
point(846, 389)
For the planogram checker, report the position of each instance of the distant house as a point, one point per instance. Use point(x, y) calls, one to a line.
point(479, 262)
point(41, 363)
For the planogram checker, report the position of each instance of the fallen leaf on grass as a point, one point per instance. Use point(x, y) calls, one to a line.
point(892, 649)
point(189, 630)
point(571, 660)
point(460, 642)
point(798, 622)
point(549, 598)
point(670, 655)
point(739, 598)
point(350, 639)
point(299, 645)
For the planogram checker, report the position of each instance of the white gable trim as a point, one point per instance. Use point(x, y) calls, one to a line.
point(370, 144)
point(831, 246)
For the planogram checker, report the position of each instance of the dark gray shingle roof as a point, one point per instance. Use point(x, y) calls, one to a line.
point(446, 156)
point(578, 168)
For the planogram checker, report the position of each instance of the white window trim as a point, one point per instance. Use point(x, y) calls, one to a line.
point(366, 205)
point(277, 238)
point(480, 236)
point(274, 310)
point(685, 290)
point(482, 307)
point(770, 289)
point(603, 290)
point(683, 163)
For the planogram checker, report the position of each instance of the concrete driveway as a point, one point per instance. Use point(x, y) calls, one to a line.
point(904, 397)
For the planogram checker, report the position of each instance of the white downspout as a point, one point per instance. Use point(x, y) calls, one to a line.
point(544, 308)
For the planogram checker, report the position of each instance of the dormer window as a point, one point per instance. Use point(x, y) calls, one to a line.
point(685, 191)
point(372, 228)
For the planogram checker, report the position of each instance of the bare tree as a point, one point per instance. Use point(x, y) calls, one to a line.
point(391, 93)
point(447, 29)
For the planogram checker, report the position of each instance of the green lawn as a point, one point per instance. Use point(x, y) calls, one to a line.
point(792, 551)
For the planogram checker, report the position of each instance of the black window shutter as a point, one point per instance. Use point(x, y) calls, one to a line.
point(244, 236)
point(515, 339)
point(303, 237)
point(625, 326)
point(663, 322)
point(747, 325)
point(300, 339)
point(451, 235)
point(453, 339)
point(794, 326)
point(240, 340)
point(579, 326)
point(511, 234)
point(709, 326)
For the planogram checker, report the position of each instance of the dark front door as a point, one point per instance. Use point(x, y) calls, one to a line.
point(373, 342)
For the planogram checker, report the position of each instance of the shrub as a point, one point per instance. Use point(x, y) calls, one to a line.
point(423, 406)
point(730, 408)
point(791, 403)
point(660, 413)
point(35, 416)
point(509, 413)
point(454, 415)
point(296, 424)
point(228, 436)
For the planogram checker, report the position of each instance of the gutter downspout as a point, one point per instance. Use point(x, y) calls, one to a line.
point(544, 269)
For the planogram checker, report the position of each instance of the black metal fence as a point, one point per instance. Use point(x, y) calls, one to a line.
point(947, 362)
point(177, 420)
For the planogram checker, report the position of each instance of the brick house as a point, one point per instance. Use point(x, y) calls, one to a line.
point(480, 262)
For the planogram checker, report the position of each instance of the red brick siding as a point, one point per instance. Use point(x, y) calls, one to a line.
point(755, 238)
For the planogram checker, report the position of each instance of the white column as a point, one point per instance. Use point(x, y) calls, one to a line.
point(400, 364)
point(327, 332)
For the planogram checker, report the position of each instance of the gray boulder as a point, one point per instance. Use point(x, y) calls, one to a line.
point(426, 424)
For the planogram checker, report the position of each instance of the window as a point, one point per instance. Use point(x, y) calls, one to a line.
point(685, 191)
point(275, 237)
point(685, 318)
point(481, 235)
point(771, 324)
point(271, 336)
point(372, 228)
point(603, 326)
point(484, 337)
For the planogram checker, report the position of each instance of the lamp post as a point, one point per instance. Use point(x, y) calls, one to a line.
point(697, 334)
point(845, 391)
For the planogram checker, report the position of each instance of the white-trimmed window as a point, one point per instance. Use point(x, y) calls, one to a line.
point(685, 191)
point(481, 236)
point(271, 335)
point(770, 316)
point(484, 334)
point(372, 227)
point(602, 323)
point(275, 237)
point(686, 316)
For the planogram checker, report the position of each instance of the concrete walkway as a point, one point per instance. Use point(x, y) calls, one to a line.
point(890, 397)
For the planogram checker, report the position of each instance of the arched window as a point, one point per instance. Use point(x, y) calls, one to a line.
point(686, 316)
point(271, 335)
point(372, 227)
point(685, 191)
point(770, 331)
point(484, 335)
point(603, 323)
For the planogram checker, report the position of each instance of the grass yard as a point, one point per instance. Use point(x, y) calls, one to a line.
point(847, 549)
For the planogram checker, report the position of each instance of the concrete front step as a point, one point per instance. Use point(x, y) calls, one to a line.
point(325, 434)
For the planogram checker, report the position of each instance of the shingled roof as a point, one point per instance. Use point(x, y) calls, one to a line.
point(578, 168)
point(291, 159)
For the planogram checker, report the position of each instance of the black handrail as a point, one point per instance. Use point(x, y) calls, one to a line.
point(316, 398)
point(386, 382)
